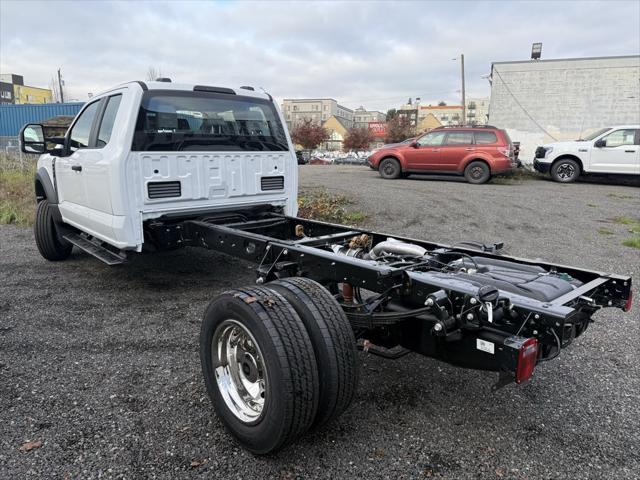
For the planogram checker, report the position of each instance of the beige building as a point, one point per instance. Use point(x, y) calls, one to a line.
point(445, 114)
point(318, 110)
point(362, 117)
point(477, 111)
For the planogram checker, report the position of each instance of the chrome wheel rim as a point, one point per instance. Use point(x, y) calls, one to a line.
point(565, 171)
point(239, 369)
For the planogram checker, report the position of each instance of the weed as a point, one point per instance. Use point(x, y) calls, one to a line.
point(17, 202)
point(605, 231)
point(321, 205)
point(633, 242)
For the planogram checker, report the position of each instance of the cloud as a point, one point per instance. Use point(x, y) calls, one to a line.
point(361, 53)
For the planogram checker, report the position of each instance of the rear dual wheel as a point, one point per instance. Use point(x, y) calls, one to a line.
point(277, 360)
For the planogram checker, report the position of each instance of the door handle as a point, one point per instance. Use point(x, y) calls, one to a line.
point(435, 150)
point(76, 168)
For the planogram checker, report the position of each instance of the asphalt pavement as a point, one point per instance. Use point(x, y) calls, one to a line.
point(100, 375)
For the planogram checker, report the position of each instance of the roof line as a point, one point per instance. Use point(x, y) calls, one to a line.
point(567, 59)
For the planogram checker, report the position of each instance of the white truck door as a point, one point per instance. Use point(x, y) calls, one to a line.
point(616, 152)
point(69, 169)
point(85, 188)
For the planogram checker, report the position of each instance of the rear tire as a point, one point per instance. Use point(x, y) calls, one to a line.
point(565, 171)
point(477, 172)
point(49, 242)
point(389, 168)
point(262, 379)
point(334, 343)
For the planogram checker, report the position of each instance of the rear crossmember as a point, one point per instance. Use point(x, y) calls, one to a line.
point(400, 304)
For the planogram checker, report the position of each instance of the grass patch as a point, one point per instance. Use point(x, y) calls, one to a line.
point(605, 231)
point(623, 220)
point(621, 196)
point(591, 205)
point(633, 242)
point(327, 207)
point(518, 176)
point(17, 198)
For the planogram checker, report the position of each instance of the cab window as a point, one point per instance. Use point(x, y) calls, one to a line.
point(619, 138)
point(459, 138)
point(108, 120)
point(432, 139)
point(81, 131)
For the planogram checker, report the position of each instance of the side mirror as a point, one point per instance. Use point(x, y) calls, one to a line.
point(32, 139)
point(414, 144)
point(600, 143)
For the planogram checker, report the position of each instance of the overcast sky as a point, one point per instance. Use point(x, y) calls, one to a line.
point(361, 53)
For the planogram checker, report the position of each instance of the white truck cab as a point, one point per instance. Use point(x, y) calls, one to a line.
point(608, 150)
point(144, 150)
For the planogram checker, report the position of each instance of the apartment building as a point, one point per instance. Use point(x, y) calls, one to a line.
point(318, 110)
point(363, 117)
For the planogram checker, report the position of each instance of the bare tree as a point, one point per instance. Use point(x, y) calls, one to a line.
point(153, 73)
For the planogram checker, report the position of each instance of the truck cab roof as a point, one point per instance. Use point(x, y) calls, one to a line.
point(246, 91)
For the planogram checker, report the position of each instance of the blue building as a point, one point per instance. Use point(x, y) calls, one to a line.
point(14, 117)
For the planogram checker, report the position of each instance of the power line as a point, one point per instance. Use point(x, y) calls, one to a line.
point(521, 106)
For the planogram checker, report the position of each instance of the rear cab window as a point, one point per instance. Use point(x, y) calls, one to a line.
point(205, 121)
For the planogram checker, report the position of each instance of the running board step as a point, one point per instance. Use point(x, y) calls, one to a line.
point(94, 247)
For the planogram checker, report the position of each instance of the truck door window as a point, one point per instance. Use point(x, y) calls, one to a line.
point(81, 131)
point(204, 121)
point(108, 120)
point(619, 138)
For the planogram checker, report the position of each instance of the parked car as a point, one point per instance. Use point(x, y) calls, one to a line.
point(389, 145)
point(477, 152)
point(608, 150)
point(302, 157)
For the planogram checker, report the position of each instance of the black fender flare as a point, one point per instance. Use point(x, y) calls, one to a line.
point(44, 187)
point(45, 192)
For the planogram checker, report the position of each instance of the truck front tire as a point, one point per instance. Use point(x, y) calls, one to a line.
point(565, 170)
point(333, 341)
point(50, 244)
point(259, 368)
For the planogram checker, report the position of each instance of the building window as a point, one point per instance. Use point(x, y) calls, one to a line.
point(295, 108)
point(325, 108)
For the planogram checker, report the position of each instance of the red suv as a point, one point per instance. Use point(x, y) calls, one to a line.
point(475, 152)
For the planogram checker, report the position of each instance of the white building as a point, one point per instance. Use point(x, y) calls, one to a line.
point(540, 101)
point(477, 110)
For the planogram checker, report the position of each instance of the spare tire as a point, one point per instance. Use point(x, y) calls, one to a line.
point(333, 341)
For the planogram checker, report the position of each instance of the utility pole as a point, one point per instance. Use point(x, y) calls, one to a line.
point(60, 87)
point(464, 100)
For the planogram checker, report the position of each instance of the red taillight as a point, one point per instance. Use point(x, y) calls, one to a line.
point(628, 303)
point(527, 357)
point(505, 151)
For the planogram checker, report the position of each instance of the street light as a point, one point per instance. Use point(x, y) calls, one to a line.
point(536, 51)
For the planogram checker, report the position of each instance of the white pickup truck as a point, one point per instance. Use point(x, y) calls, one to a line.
point(163, 165)
point(614, 150)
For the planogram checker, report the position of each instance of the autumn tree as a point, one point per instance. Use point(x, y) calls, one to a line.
point(309, 135)
point(399, 129)
point(358, 138)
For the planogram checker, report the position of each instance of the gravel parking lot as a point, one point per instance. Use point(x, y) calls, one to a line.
point(101, 364)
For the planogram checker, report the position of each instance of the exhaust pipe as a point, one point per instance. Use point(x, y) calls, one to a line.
point(396, 247)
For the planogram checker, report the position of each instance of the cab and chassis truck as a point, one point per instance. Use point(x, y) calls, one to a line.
point(158, 165)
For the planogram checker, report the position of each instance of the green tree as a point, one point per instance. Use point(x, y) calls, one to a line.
point(391, 114)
